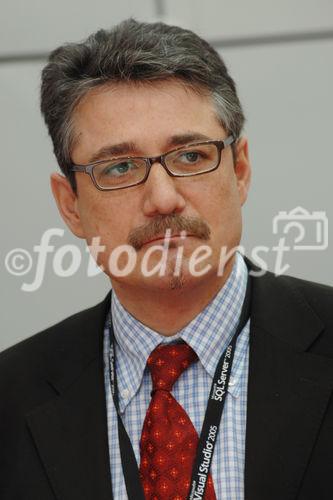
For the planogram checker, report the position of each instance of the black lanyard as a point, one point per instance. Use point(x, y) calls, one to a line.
point(210, 426)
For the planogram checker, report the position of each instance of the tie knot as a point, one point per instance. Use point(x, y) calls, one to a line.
point(167, 362)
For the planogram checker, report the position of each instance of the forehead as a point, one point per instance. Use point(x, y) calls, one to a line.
point(145, 114)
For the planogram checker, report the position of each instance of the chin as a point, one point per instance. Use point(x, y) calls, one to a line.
point(183, 280)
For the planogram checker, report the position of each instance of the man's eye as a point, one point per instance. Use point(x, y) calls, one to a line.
point(118, 169)
point(190, 156)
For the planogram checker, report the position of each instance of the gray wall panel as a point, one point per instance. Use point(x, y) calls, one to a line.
point(40, 25)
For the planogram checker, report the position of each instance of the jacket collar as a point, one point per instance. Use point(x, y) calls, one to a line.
point(279, 307)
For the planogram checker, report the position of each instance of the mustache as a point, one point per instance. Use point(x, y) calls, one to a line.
point(176, 223)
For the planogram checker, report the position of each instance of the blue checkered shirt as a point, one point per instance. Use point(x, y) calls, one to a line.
point(208, 334)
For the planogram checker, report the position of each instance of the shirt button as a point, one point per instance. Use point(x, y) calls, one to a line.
point(232, 381)
point(125, 393)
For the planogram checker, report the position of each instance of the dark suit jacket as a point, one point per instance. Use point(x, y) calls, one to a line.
point(53, 428)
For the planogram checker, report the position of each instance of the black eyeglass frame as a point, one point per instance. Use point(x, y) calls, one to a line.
point(88, 169)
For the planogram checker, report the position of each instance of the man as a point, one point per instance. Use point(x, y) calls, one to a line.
point(110, 403)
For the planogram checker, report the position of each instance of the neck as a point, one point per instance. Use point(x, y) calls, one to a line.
point(167, 310)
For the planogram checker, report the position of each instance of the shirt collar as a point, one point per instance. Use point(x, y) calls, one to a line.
point(208, 334)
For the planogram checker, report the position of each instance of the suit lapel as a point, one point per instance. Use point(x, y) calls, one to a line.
point(288, 390)
point(70, 430)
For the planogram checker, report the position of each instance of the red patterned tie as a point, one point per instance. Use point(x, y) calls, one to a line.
point(169, 440)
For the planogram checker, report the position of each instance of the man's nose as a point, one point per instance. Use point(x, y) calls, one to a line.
point(162, 194)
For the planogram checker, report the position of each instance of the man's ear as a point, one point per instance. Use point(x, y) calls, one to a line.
point(67, 204)
point(242, 168)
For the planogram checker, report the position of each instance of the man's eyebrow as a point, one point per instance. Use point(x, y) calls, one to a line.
point(121, 149)
point(181, 139)
point(129, 148)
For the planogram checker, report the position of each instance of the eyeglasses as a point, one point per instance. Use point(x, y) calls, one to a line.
point(123, 172)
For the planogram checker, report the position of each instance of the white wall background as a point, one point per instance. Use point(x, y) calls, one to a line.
point(286, 91)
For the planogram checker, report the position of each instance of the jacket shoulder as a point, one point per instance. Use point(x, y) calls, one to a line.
point(33, 350)
point(318, 295)
point(32, 370)
point(310, 300)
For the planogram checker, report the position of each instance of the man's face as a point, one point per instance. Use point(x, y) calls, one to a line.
point(148, 120)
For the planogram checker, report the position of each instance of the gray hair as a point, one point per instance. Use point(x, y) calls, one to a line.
point(137, 52)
